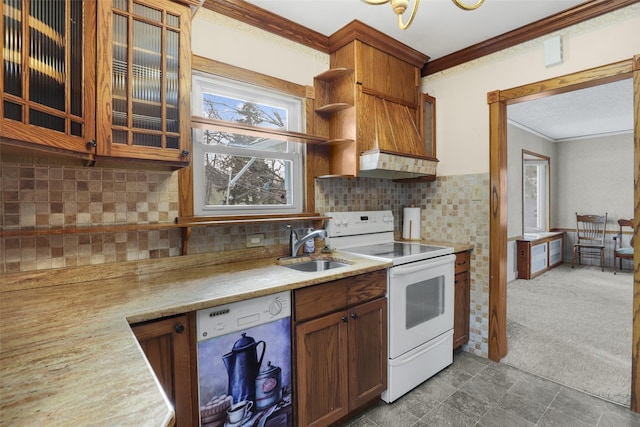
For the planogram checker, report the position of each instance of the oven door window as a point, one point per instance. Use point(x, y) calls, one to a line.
point(424, 301)
point(420, 303)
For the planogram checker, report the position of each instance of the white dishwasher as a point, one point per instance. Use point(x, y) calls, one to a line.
point(244, 363)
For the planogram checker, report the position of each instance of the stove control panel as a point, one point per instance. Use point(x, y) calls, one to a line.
point(357, 223)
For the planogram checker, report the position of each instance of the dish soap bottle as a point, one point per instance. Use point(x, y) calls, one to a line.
point(309, 245)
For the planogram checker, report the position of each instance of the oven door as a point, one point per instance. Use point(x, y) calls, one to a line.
point(420, 302)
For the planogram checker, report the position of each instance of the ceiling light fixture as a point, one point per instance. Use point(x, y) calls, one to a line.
point(399, 6)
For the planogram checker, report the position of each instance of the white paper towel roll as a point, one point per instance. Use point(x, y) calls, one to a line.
point(411, 224)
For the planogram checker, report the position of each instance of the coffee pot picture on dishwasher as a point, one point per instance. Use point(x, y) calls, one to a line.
point(242, 365)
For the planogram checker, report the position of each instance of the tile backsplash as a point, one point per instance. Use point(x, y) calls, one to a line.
point(40, 197)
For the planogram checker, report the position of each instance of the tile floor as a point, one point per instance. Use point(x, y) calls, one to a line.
point(474, 391)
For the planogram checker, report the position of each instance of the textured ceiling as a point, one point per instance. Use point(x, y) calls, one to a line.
point(597, 111)
point(439, 28)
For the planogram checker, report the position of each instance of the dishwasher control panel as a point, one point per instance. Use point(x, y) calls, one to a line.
point(228, 318)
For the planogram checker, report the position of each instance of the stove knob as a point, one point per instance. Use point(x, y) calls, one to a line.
point(345, 221)
point(275, 307)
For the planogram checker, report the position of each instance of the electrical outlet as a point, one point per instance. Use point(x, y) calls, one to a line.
point(476, 193)
point(255, 240)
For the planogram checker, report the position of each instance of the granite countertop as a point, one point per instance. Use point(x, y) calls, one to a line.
point(68, 355)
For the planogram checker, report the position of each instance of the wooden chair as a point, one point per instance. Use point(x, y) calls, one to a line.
point(622, 252)
point(590, 230)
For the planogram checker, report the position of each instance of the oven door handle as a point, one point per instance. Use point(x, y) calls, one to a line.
point(401, 270)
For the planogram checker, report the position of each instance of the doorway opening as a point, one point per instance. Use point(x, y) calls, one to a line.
point(498, 102)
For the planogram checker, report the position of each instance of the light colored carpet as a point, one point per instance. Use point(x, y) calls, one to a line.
point(574, 327)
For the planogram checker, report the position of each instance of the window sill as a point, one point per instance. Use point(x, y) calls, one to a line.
point(199, 221)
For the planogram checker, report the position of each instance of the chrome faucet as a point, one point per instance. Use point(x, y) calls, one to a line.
point(296, 243)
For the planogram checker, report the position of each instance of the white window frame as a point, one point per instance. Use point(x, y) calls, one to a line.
point(542, 197)
point(206, 83)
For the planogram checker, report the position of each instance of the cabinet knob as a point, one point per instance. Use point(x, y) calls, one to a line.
point(354, 316)
point(345, 319)
point(179, 328)
point(91, 144)
point(185, 153)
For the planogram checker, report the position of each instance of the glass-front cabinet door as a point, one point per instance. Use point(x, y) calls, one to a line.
point(47, 76)
point(428, 123)
point(143, 79)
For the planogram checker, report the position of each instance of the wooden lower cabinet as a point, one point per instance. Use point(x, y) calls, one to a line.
point(165, 342)
point(341, 352)
point(367, 345)
point(535, 256)
point(462, 299)
point(322, 364)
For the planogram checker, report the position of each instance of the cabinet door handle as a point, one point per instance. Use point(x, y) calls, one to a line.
point(345, 319)
point(354, 316)
point(179, 328)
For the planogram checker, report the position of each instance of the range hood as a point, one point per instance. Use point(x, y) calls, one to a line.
point(378, 164)
point(397, 150)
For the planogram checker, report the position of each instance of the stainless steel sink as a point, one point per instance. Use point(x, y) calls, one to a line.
point(316, 265)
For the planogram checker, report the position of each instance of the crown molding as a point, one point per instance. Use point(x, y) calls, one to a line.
point(248, 13)
point(569, 17)
point(260, 18)
point(356, 30)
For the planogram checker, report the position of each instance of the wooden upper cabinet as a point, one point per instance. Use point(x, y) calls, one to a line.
point(385, 74)
point(48, 74)
point(106, 79)
point(144, 80)
point(369, 103)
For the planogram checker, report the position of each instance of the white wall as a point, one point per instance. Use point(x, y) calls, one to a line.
point(232, 42)
point(462, 122)
point(595, 176)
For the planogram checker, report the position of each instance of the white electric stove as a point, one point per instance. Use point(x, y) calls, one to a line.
point(420, 295)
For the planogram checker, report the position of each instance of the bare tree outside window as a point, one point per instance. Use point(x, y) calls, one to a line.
point(244, 180)
point(241, 172)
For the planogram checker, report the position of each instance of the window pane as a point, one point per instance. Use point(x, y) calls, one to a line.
point(172, 81)
point(42, 119)
point(243, 111)
point(530, 196)
point(77, 61)
point(240, 172)
point(12, 111)
point(147, 76)
point(250, 181)
point(119, 85)
point(534, 198)
point(47, 53)
point(12, 11)
point(228, 139)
